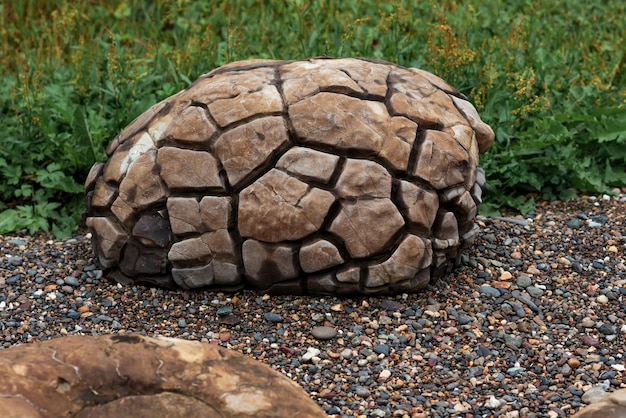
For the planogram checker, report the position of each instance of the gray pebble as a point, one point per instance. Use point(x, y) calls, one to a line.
point(606, 329)
point(72, 281)
point(513, 341)
point(488, 290)
point(324, 333)
point(524, 281)
point(272, 317)
point(381, 349)
point(362, 391)
point(534, 291)
point(182, 323)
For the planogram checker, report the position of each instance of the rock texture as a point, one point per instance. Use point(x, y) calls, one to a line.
point(319, 176)
point(613, 405)
point(137, 376)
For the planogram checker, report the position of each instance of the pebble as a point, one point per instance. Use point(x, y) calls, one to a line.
point(525, 327)
point(324, 333)
point(273, 317)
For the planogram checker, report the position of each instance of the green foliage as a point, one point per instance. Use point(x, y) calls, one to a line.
point(547, 75)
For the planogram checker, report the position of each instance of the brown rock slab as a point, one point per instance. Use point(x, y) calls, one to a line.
point(441, 161)
point(278, 207)
point(265, 101)
point(216, 212)
point(191, 127)
point(363, 178)
point(348, 123)
point(133, 375)
point(308, 164)
point(267, 264)
point(419, 205)
point(292, 177)
point(411, 256)
point(319, 255)
point(186, 170)
point(245, 148)
point(143, 187)
point(366, 226)
point(184, 214)
point(613, 405)
point(109, 238)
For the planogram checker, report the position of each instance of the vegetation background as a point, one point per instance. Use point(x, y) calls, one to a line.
point(548, 75)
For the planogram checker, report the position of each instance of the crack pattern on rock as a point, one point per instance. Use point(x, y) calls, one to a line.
point(317, 176)
point(135, 375)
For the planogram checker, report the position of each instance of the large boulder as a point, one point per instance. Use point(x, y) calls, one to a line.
point(324, 176)
point(137, 376)
point(610, 406)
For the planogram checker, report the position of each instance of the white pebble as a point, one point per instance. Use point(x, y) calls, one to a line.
point(602, 299)
point(310, 353)
point(384, 375)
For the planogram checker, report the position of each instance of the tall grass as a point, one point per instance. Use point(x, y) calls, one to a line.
point(547, 75)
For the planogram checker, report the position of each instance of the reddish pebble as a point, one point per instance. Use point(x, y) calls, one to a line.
point(590, 341)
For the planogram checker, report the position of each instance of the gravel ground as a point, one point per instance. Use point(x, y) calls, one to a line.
point(530, 325)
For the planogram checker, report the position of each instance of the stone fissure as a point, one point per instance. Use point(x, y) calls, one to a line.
point(327, 164)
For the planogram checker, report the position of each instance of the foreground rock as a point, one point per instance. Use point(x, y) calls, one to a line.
point(613, 406)
point(325, 176)
point(133, 375)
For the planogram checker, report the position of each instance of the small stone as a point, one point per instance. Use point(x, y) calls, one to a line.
point(590, 341)
point(362, 391)
point(573, 223)
point(182, 323)
point(488, 290)
point(573, 362)
point(72, 281)
point(588, 322)
point(384, 375)
point(606, 329)
point(381, 349)
point(272, 317)
point(324, 333)
point(603, 299)
point(310, 353)
point(524, 281)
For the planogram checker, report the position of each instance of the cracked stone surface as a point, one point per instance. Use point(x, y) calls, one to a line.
point(137, 376)
point(612, 405)
point(322, 176)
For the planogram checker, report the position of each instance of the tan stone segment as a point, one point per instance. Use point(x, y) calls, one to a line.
point(278, 207)
point(447, 232)
point(308, 164)
point(103, 194)
point(612, 405)
point(244, 148)
point(360, 178)
point(419, 205)
point(192, 126)
point(319, 255)
point(142, 186)
point(411, 256)
point(267, 100)
point(267, 264)
point(305, 78)
point(109, 238)
point(417, 99)
point(126, 155)
point(192, 250)
point(484, 133)
point(348, 123)
point(133, 375)
point(184, 215)
point(227, 85)
point(441, 161)
point(183, 169)
point(216, 212)
point(366, 226)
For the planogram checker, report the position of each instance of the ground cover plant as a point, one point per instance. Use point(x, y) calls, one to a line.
point(548, 76)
